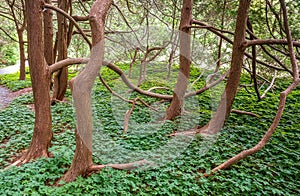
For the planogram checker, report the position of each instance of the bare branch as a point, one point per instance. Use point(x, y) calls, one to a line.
point(290, 41)
point(271, 85)
point(66, 62)
point(71, 19)
point(244, 112)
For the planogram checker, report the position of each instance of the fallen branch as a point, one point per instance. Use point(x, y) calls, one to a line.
point(266, 137)
point(158, 88)
point(271, 85)
point(244, 113)
point(127, 116)
point(123, 166)
point(192, 131)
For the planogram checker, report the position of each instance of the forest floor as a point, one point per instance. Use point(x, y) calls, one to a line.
point(180, 164)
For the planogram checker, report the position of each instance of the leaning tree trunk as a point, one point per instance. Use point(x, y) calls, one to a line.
point(40, 84)
point(282, 102)
point(177, 103)
point(81, 90)
point(61, 76)
point(224, 108)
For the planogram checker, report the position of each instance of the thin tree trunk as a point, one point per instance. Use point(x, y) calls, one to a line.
point(22, 56)
point(61, 76)
point(221, 39)
point(224, 108)
point(253, 60)
point(81, 90)
point(177, 103)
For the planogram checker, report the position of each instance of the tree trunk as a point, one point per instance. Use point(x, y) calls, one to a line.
point(177, 103)
point(40, 83)
point(48, 35)
point(224, 108)
point(81, 90)
point(61, 76)
point(22, 55)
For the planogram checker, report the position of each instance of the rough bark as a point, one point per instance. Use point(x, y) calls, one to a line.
point(224, 108)
point(22, 55)
point(61, 76)
point(48, 35)
point(177, 103)
point(81, 90)
point(40, 84)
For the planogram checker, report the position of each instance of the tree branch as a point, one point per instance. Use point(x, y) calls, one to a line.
point(71, 19)
point(66, 62)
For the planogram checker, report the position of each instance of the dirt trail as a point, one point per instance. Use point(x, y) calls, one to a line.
point(5, 99)
point(6, 96)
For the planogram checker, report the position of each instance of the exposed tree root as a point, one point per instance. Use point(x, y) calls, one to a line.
point(27, 156)
point(96, 168)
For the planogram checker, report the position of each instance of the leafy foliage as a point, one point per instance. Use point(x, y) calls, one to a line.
point(272, 171)
point(8, 54)
point(12, 81)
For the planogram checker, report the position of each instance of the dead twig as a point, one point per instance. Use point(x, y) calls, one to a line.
point(244, 112)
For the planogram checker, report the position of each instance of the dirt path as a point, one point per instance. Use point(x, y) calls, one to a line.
point(4, 98)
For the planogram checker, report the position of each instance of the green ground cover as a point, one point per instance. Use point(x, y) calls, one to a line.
point(275, 170)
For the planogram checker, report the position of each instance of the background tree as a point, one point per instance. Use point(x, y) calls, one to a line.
point(177, 103)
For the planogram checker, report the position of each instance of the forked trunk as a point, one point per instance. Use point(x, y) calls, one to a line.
point(177, 104)
point(61, 76)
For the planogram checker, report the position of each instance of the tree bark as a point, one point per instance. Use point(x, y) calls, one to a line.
point(48, 35)
point(177, 103)
point(40, 84)
point(81, 90)
point(22, 55)
point(224, 108)
point(61, 76)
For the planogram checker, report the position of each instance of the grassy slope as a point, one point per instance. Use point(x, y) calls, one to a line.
point(274, 170)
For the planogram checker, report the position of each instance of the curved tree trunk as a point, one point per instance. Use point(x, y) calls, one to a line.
point(224, 108)
point(177, 103)
point(81, 90)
